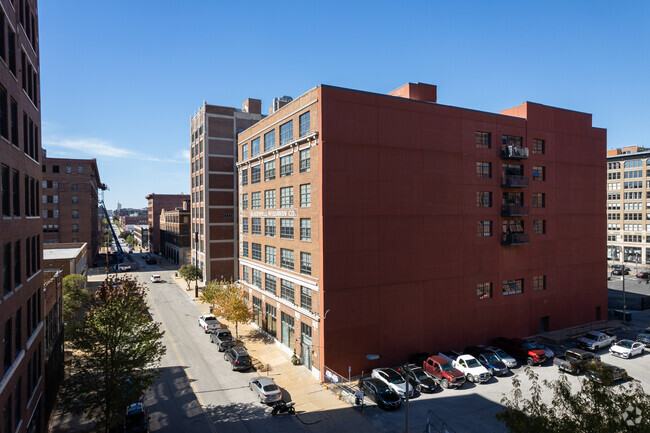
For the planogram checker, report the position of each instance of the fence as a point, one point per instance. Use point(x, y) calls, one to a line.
point(341, 386)
point(435, 424)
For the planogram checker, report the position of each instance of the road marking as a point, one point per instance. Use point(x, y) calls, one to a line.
point(178, 355)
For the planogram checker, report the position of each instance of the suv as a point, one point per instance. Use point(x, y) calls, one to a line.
point(521, 349)
point(488, 359)
point(136, 419)
point(644, 337)
point(238, 358)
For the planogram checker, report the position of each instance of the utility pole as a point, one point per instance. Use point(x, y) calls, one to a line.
point(623, 284)
point(196, 264)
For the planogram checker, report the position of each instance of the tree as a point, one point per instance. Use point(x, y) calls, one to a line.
point(597, 407)
point(210, 293)
point(74, 296)
point(229, 303)
point(190, 273)
point(125, 234)
point(116, 352)
point(130, 239)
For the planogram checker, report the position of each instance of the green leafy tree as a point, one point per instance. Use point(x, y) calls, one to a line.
point(74, 296)
point(125, 234)
point(115, 353)
point(230, 304)
point(210, 293)
point(597, 407)
point(190, 273)
point(130, 239)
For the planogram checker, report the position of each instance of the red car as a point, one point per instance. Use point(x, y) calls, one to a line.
point(644, 275)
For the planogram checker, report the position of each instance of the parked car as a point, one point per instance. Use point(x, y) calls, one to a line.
point(594, 340)
point(136, 419)
point(238, 358)
point(471, 368)
point(265, 389)
point(643, 275)
point(151, 260)
point(156, 278)
point(421, 380)
point(605, 373)
point(495, 366)
point(627, 348)
point(574, 360)
point(620, 271)
point(223, 339)
point(548, 352)
point(393, 379)
point(380, 393)
point(508, 360)
point(442, 369)
point(209, 323)
point(644, 337)
point(521, 349)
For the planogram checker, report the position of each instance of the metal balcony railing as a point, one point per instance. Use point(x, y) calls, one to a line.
point(515, 239)
point(514, 181)
point(514, 152)
point(513, 210)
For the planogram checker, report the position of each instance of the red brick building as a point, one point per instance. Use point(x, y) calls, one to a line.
point(393, 224)
point(21, 230)
point(158, 202)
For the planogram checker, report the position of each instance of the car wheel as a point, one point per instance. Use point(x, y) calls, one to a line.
point(529, 361)
point(292, 411)
point(232, 367)
point(260, 399)
point(471, 378)
point(445, 383)
point(418, 388)
point(577, 371)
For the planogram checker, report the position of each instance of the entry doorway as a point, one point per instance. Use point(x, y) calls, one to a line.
point(544, 324)
point(306, 345)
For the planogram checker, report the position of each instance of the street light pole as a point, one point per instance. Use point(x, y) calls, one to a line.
point(372, 357)
point(196, 264)
point(623, 282)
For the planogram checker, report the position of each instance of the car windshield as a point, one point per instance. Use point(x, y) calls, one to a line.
point(419, 374)
point(591, 336)
point(528, 346)
point(447, 367)
point(501, 354)
point(625, 343)
point(491, 358)
point(393, 377)
point(384, 390)
point(272, 387)
point(473, 363)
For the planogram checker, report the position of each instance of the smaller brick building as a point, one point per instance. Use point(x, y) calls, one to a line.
point(158, 202)
point(175, 234)
point(70, 258)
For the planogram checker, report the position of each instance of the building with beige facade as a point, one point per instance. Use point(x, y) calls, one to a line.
point(175, 234)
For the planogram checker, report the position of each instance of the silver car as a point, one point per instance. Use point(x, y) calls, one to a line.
point(266, 389)
point(508, 360)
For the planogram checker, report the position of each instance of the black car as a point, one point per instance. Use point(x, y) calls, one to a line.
point(151, 260)
point(421, 380)
point(418, 359)
point(238, 358)
point(380, 393)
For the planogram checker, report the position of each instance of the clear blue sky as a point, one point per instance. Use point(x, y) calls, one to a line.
point(120, 79)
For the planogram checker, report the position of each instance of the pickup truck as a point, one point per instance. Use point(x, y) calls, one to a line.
point(441, 368)
point(593, 340)
point(574, 360)
point(209, 323)
point(223, 339)
point(521, 349)
point(471, 368)
point(644, 337)
point(605, 373)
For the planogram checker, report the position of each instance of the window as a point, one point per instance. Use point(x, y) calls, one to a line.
point(6, 268)
point(257, 275)
point(539, 283)
point(244, 152)
point(55, 169)
point(286, 165)
point(14, 125)
point(539, 173)
point(286, 259)
point(7, 346)
point(244, 176)
point(270, 284)
point(269, 199)
point(56, 213)
point(303, 121)
point(4, 116)
point(244, 225)
point(74, 186)
point(305, 195)
point(513, 287)
point(287, 290)
point(482, 140)
point(286, 132)
point(305, 298)
point(539, 227)
point(286, 228)
point(269, 255)
point(305, 263)
point(75, 199)
point(484, 290)
point(68, 169)
point(485, 228)
point(305, 160)
point(17, 265)
point(80, 170)
point(257, 310)
point(269, 140)
point(75, 228)
point(11, 42)
point(4, 188)
point(539, 199)
point(256, 200)
point(256, 226)
point(244, 249)
point(539, 146)
point(269, 170)
point(511, 140)
point(483, 199)
point(75, 213)
point(15, 179)
point(245, 272)
point(286, 197)
point(256, 174)
point(305, 229)
point(269, 227)
point(244, 201)
point(484, 170)
point(255, 147)
point(271, 316)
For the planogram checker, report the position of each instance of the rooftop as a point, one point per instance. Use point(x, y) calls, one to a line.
point(61, 253)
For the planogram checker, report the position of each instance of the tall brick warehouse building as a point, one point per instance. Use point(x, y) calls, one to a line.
point(392, 224)
point(158, 202)
point(21, 231)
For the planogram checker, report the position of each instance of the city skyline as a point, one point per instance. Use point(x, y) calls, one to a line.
point(126, 96)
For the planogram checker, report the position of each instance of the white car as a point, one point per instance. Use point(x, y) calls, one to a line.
point(393, 379)
point(156, 278)
point(208, 322)
point(472, 369)
point(626, 348)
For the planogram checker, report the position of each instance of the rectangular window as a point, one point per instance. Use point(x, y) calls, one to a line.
point(539, 199)
point(286, 165)
point(286, 259)
point(244, 225)
point(269, 140)
point(269, 170)
point(484, 170)
point(256, 200)
point(287, 290)
point(11, 42)
point(4, 116)
point(286, 228)
point(68, 169)
point(539, 173)
point(269, 199)
point(305, 298)
point(270, 284)
point(484, 290)
point(305, 263)
point(80, 170)
point(75, 199)
point(539, 283)
point(75, 213)
point(269, 227)
point(513, 287)
point(286, 132)
point(255, 147)
point(256, 174)
point(271, 317)
point(288, 331)
point(6, 268)
point(75, 228)
point(244, 176)
point(484, 228)
point(269, 255)
point(539, 227)
point(256, 226)
point(257, 275)
point(4, 188)
point(539, 146)
point(305, 229)
point(305, 195)
point(511, 140)
point(244, 249)
point(244, 201)
point(17, 264)
point(14, 124)
point(244, 152)
point(482, 140)
point(15, 183)
point(303, 121)
point(245, 272)
point(305, 160)
point(483, 199)
point(286, 197)
point(8, 346)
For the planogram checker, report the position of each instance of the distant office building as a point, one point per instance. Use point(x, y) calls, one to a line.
point(128, 222)
point(175, 234)
point(158, 202)
point(69, 207)
point(628, 204)
point(213, 145)
point(141, 235)
point(392, 224)
point(127, 211)
point(21, 230)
